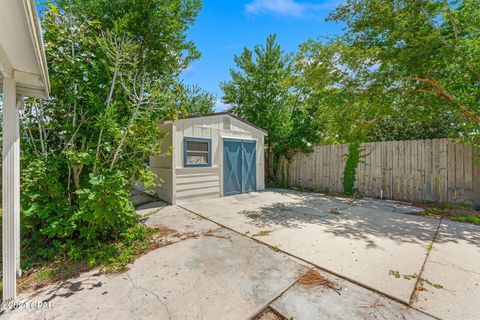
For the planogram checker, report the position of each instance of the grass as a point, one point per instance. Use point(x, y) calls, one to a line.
point(471, 218)
point(455, 212)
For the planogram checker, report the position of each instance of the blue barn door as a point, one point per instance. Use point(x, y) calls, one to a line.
point(232, 167)
point(239, 166)
point(249, 166)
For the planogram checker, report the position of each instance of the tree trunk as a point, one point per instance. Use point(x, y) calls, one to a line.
point(77, 171)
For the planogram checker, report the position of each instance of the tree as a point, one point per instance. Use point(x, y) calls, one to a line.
point(196, 101)
point(424, 54)
point(261, 91)
point(402, 70)
point(114, 69)
point(415, 122)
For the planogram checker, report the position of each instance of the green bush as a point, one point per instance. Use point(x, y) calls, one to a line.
point(104, 208)
point(56, 228)
point(46, 211)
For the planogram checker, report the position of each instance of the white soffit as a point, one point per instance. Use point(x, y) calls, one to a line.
point(22, 54)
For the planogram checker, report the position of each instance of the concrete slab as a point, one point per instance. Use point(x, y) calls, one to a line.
point(453, 263)
point(150, 208)
point(350, 302)
point(216, 274)
point(364, 241)
point(219, 275)
point(178, 219)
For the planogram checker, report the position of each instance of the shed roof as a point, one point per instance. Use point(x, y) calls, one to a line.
point(224, 113)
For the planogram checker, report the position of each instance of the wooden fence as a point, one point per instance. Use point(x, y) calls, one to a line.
point(435, 170)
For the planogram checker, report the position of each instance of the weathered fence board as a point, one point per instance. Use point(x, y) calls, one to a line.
point(435, 170)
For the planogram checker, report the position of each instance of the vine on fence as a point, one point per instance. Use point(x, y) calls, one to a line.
point(349, 173)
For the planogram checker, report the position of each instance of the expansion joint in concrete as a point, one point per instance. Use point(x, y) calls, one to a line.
point(413, 295)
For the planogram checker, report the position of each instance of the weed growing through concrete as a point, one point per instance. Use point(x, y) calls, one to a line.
point(421, 280)
point(262, 233)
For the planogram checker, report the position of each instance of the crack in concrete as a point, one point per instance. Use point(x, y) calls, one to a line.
point(143, 218)
point(151, 292)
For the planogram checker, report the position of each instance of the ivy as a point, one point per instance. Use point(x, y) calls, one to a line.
point(350, 171)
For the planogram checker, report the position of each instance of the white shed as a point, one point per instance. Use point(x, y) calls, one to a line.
point(212, 155)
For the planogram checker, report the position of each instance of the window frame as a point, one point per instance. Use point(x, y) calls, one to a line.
point(185, 151)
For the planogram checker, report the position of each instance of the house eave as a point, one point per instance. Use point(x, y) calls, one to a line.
point(37, 41)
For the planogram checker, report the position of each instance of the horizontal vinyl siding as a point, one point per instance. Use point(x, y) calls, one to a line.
point(191, 185)
point(207, 184)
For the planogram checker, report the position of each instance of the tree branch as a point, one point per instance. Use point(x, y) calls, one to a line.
point(440, 91)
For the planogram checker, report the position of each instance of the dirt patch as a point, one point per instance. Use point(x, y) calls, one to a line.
point(38, 278)
point(269, 314)
point(313, 278)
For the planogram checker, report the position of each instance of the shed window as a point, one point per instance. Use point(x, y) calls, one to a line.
point(197, 152)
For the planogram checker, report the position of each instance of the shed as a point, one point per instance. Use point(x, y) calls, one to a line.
point(213, 155)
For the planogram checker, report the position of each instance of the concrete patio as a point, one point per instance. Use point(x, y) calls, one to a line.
point(207, 272)
point(369, 242)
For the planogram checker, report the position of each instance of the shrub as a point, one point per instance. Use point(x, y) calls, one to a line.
point(46, 211)
point(104, 208)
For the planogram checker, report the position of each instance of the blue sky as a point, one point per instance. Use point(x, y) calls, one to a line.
point(224, 27)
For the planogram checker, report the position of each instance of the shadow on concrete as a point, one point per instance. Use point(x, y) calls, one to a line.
point(360, 219)
point(70, 287)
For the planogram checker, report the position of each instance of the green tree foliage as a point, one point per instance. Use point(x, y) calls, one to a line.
point(417, 122)
point(196, 101)
point(114, 69)
point(262, 91)
point(157, 27)
point(328, 76)
point(402, 70)
point(423, 54)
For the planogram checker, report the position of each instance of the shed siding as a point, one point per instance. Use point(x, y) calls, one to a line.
point(182, 183)
point(194, 183)
point(162, 166)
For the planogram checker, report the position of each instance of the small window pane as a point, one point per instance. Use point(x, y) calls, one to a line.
point(197, 146)
point(197, 158)
point(197, 152)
